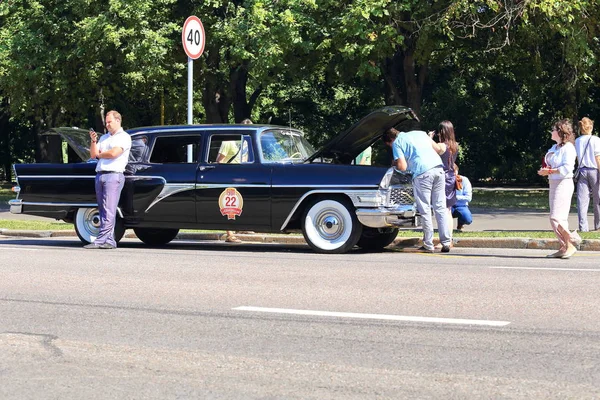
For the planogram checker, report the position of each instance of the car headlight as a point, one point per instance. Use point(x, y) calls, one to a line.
point(387, 179)
point(395, 177)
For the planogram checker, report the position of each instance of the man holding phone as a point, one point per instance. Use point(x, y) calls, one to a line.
point(112, 152)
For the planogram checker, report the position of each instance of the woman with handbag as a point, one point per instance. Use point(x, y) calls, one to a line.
point(560, 161)
point(588, 182)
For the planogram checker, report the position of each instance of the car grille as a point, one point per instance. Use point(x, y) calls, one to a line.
point(402, 195)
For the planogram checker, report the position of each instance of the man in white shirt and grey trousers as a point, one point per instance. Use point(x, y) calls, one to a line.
point(112, 152)
point(588, 159)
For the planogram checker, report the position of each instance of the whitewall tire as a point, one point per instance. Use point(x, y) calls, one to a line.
point(87, 225)
point(331, 226)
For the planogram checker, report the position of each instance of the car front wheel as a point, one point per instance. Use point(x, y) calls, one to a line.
point(331, 226)
point(87, 225)
point(375, 239)
point(155, 237)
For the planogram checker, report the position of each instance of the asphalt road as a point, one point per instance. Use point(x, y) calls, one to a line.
point(219, 321)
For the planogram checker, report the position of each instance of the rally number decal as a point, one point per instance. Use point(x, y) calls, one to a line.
point(231, 203)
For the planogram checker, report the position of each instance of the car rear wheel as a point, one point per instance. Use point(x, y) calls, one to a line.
point(331, 226)
point(155, 237)
point(373, 239)
point(87, 225)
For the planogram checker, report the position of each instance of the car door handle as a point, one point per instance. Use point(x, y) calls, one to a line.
point(205, 167)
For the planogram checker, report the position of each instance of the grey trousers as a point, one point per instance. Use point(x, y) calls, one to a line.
point(430, 193)
point(108, 192)
point(588, 185)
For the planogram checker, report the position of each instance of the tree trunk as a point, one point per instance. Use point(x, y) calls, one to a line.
point(216, 102)
point(242, 107)
point(404, 78)
point(5, 153)
point(238, 80)
point(215, 98)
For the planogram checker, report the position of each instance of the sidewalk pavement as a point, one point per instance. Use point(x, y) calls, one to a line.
point(483, 220)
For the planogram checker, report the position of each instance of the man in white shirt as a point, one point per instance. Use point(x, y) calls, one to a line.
point(112, 152)
point(588, 184)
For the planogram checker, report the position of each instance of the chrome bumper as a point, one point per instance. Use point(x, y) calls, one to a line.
point(387, 217)
point(16, 206)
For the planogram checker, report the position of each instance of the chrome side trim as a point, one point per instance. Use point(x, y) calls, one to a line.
point(140, 177)
point(16, 206)
point(353, 195)
point(233, 184)
point(365, 187)
point(170, 189)
point(48, 204)
point(57, 176)
point(173, 188)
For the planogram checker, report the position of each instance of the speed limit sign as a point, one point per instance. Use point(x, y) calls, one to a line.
point(193, 37)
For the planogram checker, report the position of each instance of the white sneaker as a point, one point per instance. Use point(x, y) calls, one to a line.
point(575, 238)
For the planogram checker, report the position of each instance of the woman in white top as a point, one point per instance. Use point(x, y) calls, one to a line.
point(560, 162)
point(588, 157)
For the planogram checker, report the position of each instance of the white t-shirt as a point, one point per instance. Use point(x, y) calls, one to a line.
point(593, 149)
point(107, 141)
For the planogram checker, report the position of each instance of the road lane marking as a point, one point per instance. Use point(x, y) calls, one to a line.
point(385, 317)
point(18, 248)
point(550, 269)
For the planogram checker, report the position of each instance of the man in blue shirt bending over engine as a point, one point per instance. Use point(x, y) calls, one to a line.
point(416, 152)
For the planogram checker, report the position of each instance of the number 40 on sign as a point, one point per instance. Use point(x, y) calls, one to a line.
point(193, 37)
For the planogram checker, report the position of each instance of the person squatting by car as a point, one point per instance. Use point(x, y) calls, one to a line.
point(464, 194)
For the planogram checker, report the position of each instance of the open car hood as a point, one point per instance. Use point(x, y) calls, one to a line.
point(346, 146)
point(77, 138)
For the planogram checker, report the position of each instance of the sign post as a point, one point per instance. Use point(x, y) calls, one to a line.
point(193, 39)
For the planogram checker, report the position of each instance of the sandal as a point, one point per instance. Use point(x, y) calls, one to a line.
point(232, 239)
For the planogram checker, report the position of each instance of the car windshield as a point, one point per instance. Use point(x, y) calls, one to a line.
point(284, 146)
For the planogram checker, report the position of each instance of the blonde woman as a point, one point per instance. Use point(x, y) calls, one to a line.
point(560, 162)
point(588, 158)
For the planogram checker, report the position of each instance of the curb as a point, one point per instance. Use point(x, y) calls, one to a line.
point(491, 243)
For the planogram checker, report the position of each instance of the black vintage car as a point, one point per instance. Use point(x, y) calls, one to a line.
point(275, 182)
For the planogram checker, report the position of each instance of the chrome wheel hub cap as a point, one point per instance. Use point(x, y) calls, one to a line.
point(329, 225)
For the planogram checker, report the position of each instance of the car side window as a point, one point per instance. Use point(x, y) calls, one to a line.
point(230, 149)
point(174, 149)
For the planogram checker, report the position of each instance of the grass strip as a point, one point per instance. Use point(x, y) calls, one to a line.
point(51, 225)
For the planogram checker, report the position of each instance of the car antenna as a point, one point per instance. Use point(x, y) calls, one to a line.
point(290, 118)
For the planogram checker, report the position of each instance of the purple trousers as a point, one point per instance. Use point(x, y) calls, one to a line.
point(108, 192)
point(588, 186)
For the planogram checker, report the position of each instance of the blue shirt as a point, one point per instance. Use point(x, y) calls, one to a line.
point(415, 147)
point(464, 195)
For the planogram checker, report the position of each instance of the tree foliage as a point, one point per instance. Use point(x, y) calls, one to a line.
point(501, 70)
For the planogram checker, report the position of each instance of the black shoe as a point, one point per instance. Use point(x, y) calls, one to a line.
point(424, 249)
point(107, 246)
point(445, 249)
point(91, 246)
